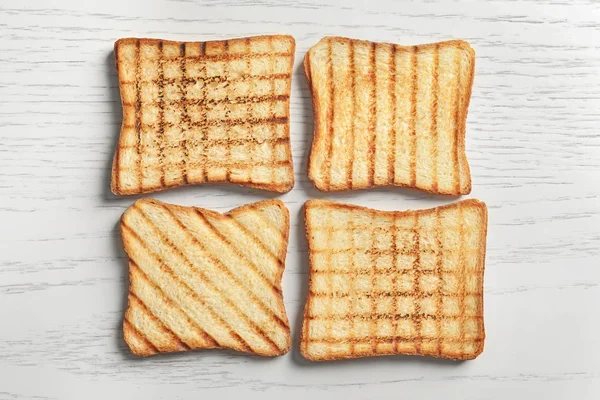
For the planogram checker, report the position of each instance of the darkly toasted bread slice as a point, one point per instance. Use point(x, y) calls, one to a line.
point(394, 282)
point(390, 115)
point(204, 112)
point(200, 279)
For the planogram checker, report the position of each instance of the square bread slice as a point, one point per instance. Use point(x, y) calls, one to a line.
point(385, 283)
point(390, 115)
point(200, 279)
point(204, 112)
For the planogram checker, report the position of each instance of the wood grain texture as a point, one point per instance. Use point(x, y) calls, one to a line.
point(533, 143)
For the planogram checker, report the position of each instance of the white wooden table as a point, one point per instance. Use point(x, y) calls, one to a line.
point(533, 142)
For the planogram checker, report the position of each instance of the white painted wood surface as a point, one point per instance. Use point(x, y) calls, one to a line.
point(533, 142)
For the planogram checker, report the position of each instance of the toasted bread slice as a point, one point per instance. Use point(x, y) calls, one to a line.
point(200, 279)
point(204, 112)
point(389, 115)
point(386, 283)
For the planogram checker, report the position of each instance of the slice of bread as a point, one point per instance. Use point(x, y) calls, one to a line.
point(390, 115)
point(386, 283)
point(200, 279)
point(204, 113)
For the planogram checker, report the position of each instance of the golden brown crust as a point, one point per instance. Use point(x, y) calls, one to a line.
point(305, 340)
point(277, 54)
point(336, 204)
point(263, 186)
point(319, 172)
point(156, 333)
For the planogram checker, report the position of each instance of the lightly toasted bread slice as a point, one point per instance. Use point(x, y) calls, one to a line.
point(385, 283)
point(204, 112)
point(200, 279)
point(390, 115)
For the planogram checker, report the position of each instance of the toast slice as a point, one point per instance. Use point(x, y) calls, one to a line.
point(204, 112)
point(390, 115)
point(385, 283)
point(200, 279)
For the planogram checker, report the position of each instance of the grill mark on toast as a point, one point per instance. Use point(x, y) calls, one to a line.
point(234, 249)
point(330, 116)
point(392, 94)
point(283, 235)
point(138, 116)
point(226, 122)
point(242, 344)
point(210, 340)
point(228, 148)
point(267, 221)
point(222, 165)
point(370, 294)
point(203, 119)
point(359, 271)
point(369, 251)
point(249, 100)
point(455, 148)
point(219, 78)
point(272, 112)
point(174, 339)
point(192, 143)
point(328, 282)
point(184, 114)
point(413, 118)
point(383, 316)
point(259, 38)
point(259, 243)
point(161, 114)
point(353, 114)
point(128, 326)
point(461, 294)
point(248, 108)
point(435, 88)
point(352, 281)
point(231, 57)
point(395, 268)
point(247, 121)
point(257, 330)
point(372, 116)
point(417, 269)
point(373, 273)
point(384, 339)
point(438, 274)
